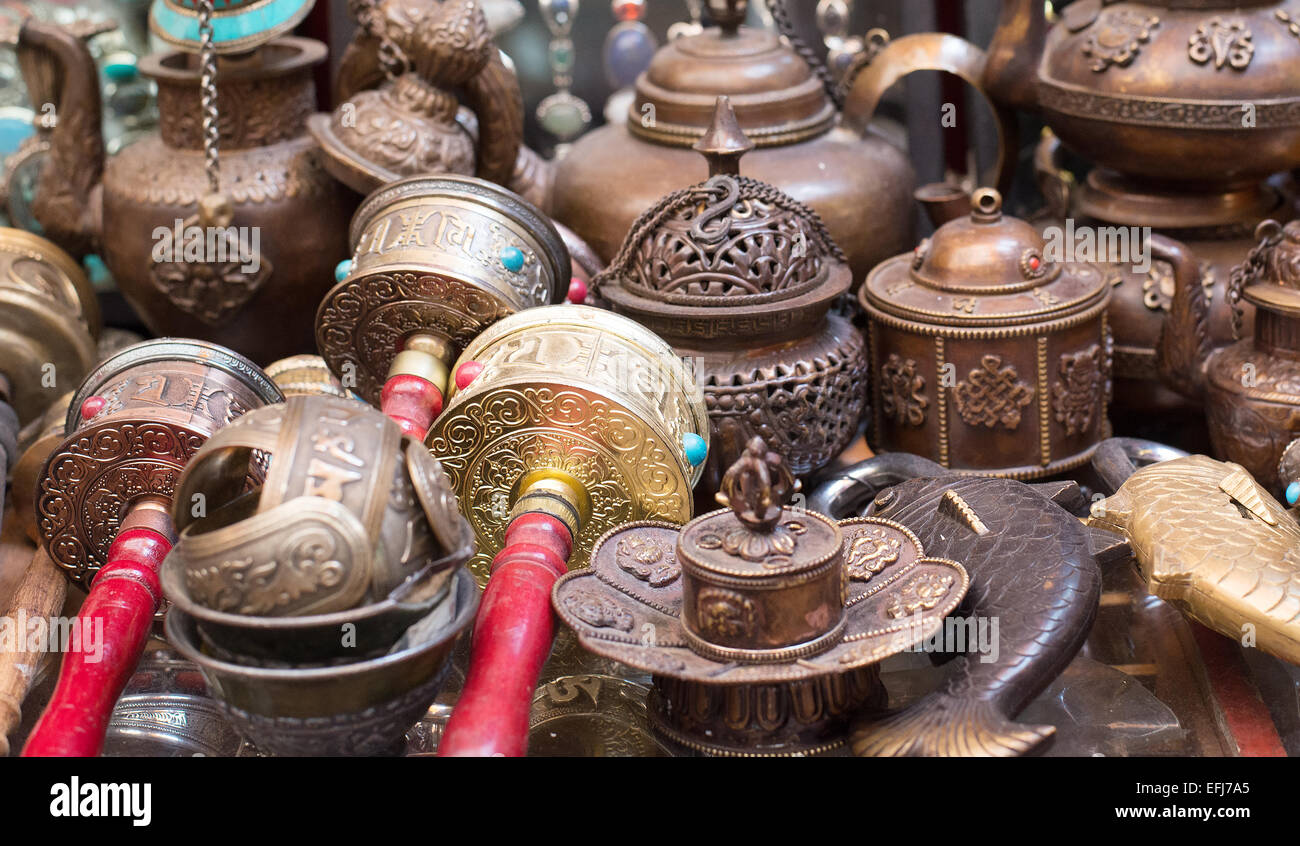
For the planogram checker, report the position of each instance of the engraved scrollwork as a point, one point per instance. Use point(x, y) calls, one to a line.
point(871, 551)
point(921, 593)
point(309, 564)
point(648, 561)
point(1077, 393)
point(597, 610)
point(993, 395)
point(1158, 285)
point(901, 391)
point(1117, 37)
point(212, 290)
point(1221, 41)
point(724, 614)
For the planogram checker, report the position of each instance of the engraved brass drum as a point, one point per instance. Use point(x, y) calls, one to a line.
point(583, 392)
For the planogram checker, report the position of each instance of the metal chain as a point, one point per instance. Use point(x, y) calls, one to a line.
point(208, 95)
point(785, 25)
point(392, 60)
point(1269, 234)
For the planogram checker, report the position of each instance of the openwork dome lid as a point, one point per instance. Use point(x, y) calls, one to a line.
point(731, 240)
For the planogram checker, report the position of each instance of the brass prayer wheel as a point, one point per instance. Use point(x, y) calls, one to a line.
point(133, 424)
point(436, 259)
point(762, 624)
point(578, 404)
point(739, 278)
point(986, 356)
point(49, 319)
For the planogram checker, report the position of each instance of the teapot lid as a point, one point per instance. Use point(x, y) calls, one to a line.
point(778, 98)
point(984, 268)
point(1270, 276)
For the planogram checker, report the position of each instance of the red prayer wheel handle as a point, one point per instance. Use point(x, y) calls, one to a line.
point(417, 380)
point(113, 626)
point(515, 625)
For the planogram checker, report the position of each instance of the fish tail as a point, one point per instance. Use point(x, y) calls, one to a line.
point(941, 725)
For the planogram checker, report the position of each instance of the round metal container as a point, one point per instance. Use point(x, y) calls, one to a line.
point(581, 391)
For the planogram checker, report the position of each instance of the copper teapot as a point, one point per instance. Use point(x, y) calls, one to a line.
point(859, 183)
point(1250, 388)
point(275, 191)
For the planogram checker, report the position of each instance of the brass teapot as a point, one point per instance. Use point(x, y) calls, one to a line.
point(138, 209)
point(828, 159)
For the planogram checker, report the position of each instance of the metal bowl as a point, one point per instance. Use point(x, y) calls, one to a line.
point(361, 708)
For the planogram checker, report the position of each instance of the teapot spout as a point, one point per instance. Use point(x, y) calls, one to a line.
point(1014, 54)
point(67, 201)
point(943, 201)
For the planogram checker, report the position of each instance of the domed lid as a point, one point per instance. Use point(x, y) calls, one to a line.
point(777, 97)
point(1270, 276)
point(730, 241)
point(237, 25)
point(984, 268)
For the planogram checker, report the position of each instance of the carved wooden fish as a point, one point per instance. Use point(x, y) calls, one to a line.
point(1209, 539)
point(1032, 566)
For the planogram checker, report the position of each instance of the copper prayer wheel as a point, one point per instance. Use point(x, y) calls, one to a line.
point(436, 259)
point(740, 278)
point(986, 356)
point(568, 421)
point(103, 502)
point(762, 624)
point(135, 422)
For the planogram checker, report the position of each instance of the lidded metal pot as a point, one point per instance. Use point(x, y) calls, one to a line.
point(739, 278)
point(986, 355)
point(762, 624)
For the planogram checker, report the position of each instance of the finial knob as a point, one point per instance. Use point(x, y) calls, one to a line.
point(758, 487)
point(724, 142)
point(728, 14)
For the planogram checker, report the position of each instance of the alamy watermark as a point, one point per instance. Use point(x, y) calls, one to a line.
point(1129, 245)
point(23, 633)
point(209, 244)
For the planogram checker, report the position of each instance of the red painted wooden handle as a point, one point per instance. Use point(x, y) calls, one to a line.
point(114, 625)
point(412, 402)
point(512, 639)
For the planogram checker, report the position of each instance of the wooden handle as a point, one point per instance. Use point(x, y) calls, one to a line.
point(512, 639)
point(411, 402)
point(39, 595)
point(114, 625)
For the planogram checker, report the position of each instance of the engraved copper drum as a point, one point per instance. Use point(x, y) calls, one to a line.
point(581, 391)
point(985, 356)
point(155, 404)
point(427, 260)
point(289, 215)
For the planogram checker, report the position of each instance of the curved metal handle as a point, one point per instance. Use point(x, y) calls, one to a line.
point(838, 495)
point(1055, 183)
point(1184, 344)
point(938, 52)
point(494, 96)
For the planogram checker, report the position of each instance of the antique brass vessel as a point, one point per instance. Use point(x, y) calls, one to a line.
point(1190, 113)
point(436, 259)
point(740, 278)
point(785, 108)
point(408, 126)
point(1211, 540)
point(568, 421)
point(768, 622)
point(278, 217)
point(1251, 388)
point(103, 502)
point(986, 356)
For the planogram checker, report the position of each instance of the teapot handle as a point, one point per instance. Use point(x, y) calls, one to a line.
point(935, 51)
point(1184, 344)
point(494, 96)
point(1055, 183)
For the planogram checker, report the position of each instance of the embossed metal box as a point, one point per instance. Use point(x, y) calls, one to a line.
point(985, 356)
